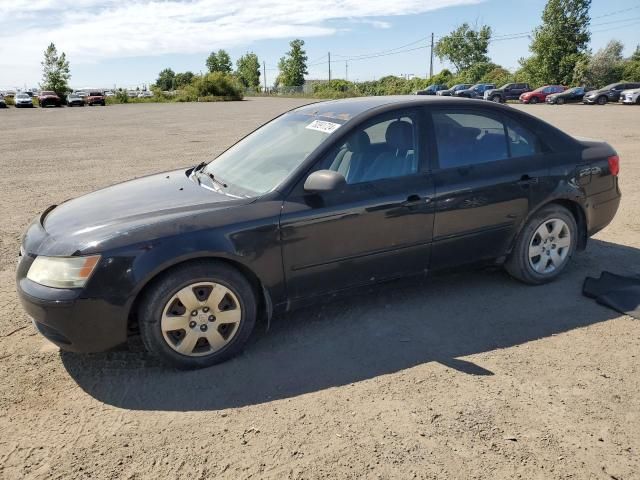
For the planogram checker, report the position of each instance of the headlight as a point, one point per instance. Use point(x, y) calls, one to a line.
point(62, 272)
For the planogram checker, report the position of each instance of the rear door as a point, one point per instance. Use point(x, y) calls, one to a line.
point(487, 173)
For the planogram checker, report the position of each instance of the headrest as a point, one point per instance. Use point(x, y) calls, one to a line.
point(358, 142)
point(399, 135)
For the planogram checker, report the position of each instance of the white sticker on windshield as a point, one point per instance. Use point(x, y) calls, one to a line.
point(322, 126)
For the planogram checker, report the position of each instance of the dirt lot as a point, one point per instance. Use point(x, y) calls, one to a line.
point(463, 376)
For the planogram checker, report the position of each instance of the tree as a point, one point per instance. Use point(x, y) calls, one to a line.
point(219, 61)
point(55, 71)
point(182, 79)
point(248, 70)
point(293, 66)
point(560, 43)
point(604, 67)
point(166, 79)
point(464, 46)
point(636, 55)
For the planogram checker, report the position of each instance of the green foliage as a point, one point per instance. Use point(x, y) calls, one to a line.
point(121, 96)
point(293, 66)
point(166, 79)
point(55, 71)
point(464, 46)
point(604, 67)
point(559, 43)
point(219, 61)
point(183, 79)
point(216, 84)
point(442, 78)
point(248, 71)
point(631, 71)
point(636, 55)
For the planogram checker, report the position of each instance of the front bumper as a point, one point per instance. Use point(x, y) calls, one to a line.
point(68, 319)
point(629, 100)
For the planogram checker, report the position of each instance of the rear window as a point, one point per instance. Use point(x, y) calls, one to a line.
point(95, 94)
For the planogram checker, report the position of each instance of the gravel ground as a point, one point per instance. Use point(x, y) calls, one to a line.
point(467, 375)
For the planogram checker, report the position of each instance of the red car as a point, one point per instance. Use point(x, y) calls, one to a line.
point(95, 98)
point(48, 98)
point(539, 95)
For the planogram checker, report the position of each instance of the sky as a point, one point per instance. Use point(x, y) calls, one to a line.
point(126, 43)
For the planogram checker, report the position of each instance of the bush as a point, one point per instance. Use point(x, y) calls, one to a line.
point(216, 84)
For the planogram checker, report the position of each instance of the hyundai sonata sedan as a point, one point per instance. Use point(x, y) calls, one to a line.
point(324, 199)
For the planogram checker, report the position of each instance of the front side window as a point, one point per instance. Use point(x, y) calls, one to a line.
point(264, 159)
point(468, 138)
point(381, 149)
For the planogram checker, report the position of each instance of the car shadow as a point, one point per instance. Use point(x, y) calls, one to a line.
point(345, 340)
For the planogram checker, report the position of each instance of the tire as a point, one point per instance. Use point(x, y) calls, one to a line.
point(560, 101)
point(103, 104)
point(229, 322)
point(496, 99)
point(560, 226)
point(602, 100)
point(533, 100)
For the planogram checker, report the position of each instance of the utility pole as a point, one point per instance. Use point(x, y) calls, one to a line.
point(346, 70)
point(264, 75)
point(329, 54)
point(431, 63)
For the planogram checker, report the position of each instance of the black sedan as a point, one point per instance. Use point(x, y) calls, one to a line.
point(319, 201)
point(572, 95)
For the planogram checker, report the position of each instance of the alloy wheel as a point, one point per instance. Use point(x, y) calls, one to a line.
point(201, 319)
point(549, 246)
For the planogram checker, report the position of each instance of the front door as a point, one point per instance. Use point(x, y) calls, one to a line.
point(379, 226)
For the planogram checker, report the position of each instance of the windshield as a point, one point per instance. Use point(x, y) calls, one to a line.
point(264, 159)
point(575, 90)
point(611, 87)
point(23, 95)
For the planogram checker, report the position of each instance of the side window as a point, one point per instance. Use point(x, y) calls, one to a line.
point(383, 148)
point(522, 142)
point(467, 138)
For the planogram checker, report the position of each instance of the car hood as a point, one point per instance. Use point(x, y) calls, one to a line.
point(161, 204)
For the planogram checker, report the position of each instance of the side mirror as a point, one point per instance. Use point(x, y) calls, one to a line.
point(324, 181)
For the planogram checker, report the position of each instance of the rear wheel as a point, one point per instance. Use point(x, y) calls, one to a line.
point(602, 100)
point(198, 314)
point(544, 246)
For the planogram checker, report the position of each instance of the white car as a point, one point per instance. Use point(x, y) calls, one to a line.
point(109, 93)
point(630, 97)
point(23, 100)
point(145, 95)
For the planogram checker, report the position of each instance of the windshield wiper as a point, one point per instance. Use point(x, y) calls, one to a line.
point(215, 180)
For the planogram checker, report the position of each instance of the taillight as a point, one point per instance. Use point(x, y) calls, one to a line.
point(614, 165)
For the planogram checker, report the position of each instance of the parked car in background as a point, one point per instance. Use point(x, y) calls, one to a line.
point(132, 93)
point(48, 98)
point(630, 97)
point(509, 91)
point(610, 93)
point(476, 91)
point(540, 94)
point(75, 100)
point(3, 103)
point(456, 88)
point(432, 89)
point(572, 95)
point(23, 100)
point(192, 258)
point(95, 98)
point(145, 94)
point(109, 93)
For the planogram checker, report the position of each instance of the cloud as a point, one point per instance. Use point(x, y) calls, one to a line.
point(93, 30)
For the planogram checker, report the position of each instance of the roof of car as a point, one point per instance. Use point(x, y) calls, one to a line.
point(346, 109)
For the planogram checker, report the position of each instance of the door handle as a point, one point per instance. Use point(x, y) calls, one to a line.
point(414, 200)
point(527, 180)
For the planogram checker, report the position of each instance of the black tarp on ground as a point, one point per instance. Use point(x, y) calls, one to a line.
point(615, 291)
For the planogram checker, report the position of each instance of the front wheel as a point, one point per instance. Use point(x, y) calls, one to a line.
point(198, 314)
point(560, 101)
point(533, 100)
point(602, 100)
point(496, 99)
point(544, 246)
